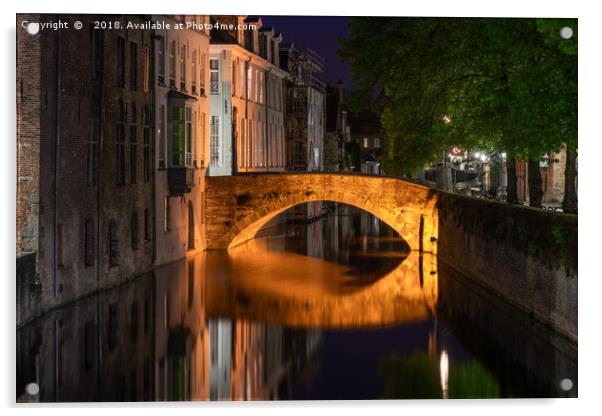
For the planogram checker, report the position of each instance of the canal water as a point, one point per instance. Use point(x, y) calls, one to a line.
point(326, 303)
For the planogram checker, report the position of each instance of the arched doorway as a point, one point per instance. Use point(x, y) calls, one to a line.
point(190, 226)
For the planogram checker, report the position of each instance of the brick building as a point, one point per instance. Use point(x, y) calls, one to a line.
point(84, 200)
point(181, 108)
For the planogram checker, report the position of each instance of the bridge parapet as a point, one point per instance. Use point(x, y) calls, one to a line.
point(238, 206)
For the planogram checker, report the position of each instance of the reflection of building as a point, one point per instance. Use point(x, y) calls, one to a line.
point(246, 87)
point(305, 108)
point(182, 130)
point(146, 340)
point(84, 194)
point(100, 348)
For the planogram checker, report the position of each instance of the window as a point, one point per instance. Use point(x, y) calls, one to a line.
point(113, 244)
point(133, 153)
point(172, 63)
point(134, 321)
point(59, 245)
point(249, 82)
point(243, 92)
point(167, 219)
point(263, 46)
point(89, 244)
point(183, 67)
point(92, 159)
point(146, 73)
point(190, 283)
point(202, 75)
point(120, 62)
point(299, 153)
point(376, 142)
point(95, 52)
point(161, 134)
point(215, 147)
point(134, 231)
point(181, 136)
point(214, 67)
point(201, 153)
point(249, 40)
point(147, 225)
point(189, 135)
point(120, 145)
point(147, 153)
point(89, 344)
point(194, 70)
point(161, 61)
point(112, 328)
point(133, 66)
point(366, 142)
point(234, 76)
point(261, 86)
point(256, 86)
point(133, 118)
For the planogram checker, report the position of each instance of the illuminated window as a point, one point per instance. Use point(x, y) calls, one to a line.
point(181, 136)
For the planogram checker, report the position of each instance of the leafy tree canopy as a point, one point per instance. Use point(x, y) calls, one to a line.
point(490, 84)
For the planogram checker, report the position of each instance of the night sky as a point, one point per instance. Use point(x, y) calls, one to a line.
point(319, 33)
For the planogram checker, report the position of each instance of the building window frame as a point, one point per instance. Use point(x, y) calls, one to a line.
point(89, 243)
point(214, 66)
point(215, 153)
point(182, 131)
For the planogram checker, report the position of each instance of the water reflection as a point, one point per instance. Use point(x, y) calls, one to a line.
point(327, 303)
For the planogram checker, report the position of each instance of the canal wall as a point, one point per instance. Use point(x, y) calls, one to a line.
point(526, 256)
point(529, 359)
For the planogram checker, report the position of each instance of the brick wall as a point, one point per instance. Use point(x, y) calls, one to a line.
point(525, 255)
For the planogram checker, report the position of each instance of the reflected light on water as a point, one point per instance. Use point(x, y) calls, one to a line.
point(296, 290)
point(444, 372)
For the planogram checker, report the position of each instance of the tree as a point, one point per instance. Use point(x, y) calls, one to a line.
point(492, 84)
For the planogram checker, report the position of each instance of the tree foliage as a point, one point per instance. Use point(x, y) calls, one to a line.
point(493, 84)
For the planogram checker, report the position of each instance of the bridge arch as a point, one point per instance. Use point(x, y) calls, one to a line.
point(238, 206)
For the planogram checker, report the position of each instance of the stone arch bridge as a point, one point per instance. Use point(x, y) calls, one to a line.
point(236, 207)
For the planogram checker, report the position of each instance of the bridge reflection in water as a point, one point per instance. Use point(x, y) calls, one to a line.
point(333, 308)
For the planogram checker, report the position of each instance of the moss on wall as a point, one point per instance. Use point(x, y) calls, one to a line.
point(550, 237)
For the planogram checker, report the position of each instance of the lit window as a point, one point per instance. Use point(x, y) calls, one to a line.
point(181, 136)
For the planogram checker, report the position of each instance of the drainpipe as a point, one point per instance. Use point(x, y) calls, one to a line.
point(247, 66)
point(57, 135)
point(152, 167)
point(267, 109)
point(99, 167)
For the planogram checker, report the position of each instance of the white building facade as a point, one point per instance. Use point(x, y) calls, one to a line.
point(247, 100)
